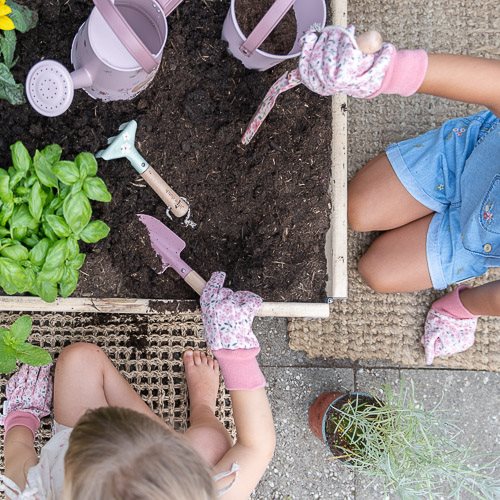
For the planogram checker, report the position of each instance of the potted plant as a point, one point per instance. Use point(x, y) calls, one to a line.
point(411, 450)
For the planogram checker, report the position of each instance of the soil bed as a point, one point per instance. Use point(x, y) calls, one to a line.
point(262, 210)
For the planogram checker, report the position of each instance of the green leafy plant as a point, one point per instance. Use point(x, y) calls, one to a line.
point(14, 347)
point(22, 19)
point(412, 450)
point(44, 212)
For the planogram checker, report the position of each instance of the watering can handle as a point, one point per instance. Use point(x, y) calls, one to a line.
point(126, 35)
point(169, 5)
point(264, 27)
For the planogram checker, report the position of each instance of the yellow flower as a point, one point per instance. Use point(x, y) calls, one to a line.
point(5, 22)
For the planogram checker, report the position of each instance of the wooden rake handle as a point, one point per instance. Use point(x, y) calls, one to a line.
point(177, 205)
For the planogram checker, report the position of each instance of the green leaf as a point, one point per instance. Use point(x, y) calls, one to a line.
point(95, 231)
point(72, 248)
point(77, 211)
point(47, 290)
point(30, 240)
point(4, 232)
point(8, 47)
point(36, 201)
point(21, 218)
point(24, 19)
point(19, 233)
point(87, 165)
point(33, 355)
point(7, 358)
point(49, 233)
point(10, 90)
point(52, 153)
point(78, 261)
point(39, 252)
point(21, 328)
point(69, 282)
point(44, 171)
point(6, 212)
point(95, 189)
point(58, 225)
point(21, 159)
point(76, 187)
point(56, 256)
point(66, 172)
point(6, 195)
point(13, 274)
point(18, 252)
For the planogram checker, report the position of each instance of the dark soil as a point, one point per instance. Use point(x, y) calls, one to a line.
point(282, 39)
point(262, 210)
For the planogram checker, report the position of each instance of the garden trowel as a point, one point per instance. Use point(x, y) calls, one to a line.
point(123, 146)
point(169, 246)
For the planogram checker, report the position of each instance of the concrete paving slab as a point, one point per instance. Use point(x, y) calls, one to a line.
point(301, 468)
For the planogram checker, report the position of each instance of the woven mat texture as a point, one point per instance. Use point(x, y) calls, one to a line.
point(387, 327)
point(147, 349)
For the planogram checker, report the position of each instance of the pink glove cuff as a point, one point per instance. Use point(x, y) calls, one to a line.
point(405, 74)
point(240, 368)
point(22, 418)
point(451, 305)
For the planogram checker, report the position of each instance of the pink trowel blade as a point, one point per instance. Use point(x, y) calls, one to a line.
point(166, 244)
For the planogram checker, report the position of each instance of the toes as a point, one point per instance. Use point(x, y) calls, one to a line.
point(216, 366)
point(187, 358)
point(197, 358)
point(210, 361)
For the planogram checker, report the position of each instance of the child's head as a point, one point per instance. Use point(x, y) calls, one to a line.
point(116, 453)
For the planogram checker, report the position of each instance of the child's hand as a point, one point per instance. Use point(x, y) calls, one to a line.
point(29, 397)
point(228, 315)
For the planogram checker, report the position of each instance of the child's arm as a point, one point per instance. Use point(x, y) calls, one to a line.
point(462, 78)
point(19, 454)
point(255, 444)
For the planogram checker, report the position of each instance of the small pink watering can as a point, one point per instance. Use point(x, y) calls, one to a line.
point(246, 49)
point(115, 53)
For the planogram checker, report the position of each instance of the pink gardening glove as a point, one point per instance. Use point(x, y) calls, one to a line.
point(29, 397)
point(228, 317)
point(449, 327)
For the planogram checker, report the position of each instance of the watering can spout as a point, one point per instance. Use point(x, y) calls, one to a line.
point(81, 78)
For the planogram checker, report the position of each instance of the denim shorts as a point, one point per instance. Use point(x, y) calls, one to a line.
point(430, 167)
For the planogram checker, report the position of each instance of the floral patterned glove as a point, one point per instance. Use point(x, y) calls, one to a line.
point(29, 397)
point(228, 315)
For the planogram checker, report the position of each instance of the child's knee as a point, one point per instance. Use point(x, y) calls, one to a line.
point(358, 210)
point(374, 274)
point(80, 353)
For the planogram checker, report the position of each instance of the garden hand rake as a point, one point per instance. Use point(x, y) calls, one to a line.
point(123, 146)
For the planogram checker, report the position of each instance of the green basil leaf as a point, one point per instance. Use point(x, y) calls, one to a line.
point(47, 290)
point(94, 231)
point(33, 355)
point(30, 240)
point(7, 359)
point(15, 177)
point(52, 153)
point(13, 274)
point(8, 287)
point(6, 194)
point(66, 172)
point(87, 165)
point(78, 261)
point(18, 252)
point(22, 218)
point(44, 171)
point(77, 211)
point(36, 201)
point(6, 212)
point(73, 248)
point(52, 275)
point(21, 328)
point(49, 233)
point(95, 189)
point(76, 187)
point(69, 282)
point(58, 225)
point(55, 204)
point(19, 233)
point(39, 252)
point(4, 232)
point(56, 256)
point(21, 159)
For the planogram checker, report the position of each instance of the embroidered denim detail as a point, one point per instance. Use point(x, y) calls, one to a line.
point(459, 131)
point(487, 219)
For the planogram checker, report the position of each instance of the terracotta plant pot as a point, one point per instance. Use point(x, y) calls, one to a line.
point(318, 409)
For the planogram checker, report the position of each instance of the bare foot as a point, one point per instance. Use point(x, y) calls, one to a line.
point(202, 376)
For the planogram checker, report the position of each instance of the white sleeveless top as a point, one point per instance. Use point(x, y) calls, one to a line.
point(45, 480)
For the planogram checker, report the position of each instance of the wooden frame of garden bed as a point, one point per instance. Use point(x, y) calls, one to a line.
point(335, 247)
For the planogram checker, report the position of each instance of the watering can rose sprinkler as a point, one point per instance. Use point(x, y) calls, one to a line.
point(332, 60)
point(116, 54)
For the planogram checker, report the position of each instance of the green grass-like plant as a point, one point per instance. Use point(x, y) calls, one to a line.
point(412, 450)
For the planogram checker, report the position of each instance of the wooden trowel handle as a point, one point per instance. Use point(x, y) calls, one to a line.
point(270, 309)
point(173, 201)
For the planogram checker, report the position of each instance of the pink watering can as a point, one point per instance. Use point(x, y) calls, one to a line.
point(246, 49)
point(115, 53)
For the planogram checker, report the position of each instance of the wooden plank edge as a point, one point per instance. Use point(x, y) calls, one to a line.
point(336, 237)
point(151, 306)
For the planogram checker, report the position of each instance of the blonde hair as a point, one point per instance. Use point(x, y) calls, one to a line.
point(117, 453)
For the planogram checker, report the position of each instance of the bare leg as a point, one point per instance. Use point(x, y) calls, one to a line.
point(396, 261)
point(206, 434)
point(377, 200)
point(482, 300)
point(85, 379)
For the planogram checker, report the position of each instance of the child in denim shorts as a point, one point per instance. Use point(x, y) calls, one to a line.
point(437, 199)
